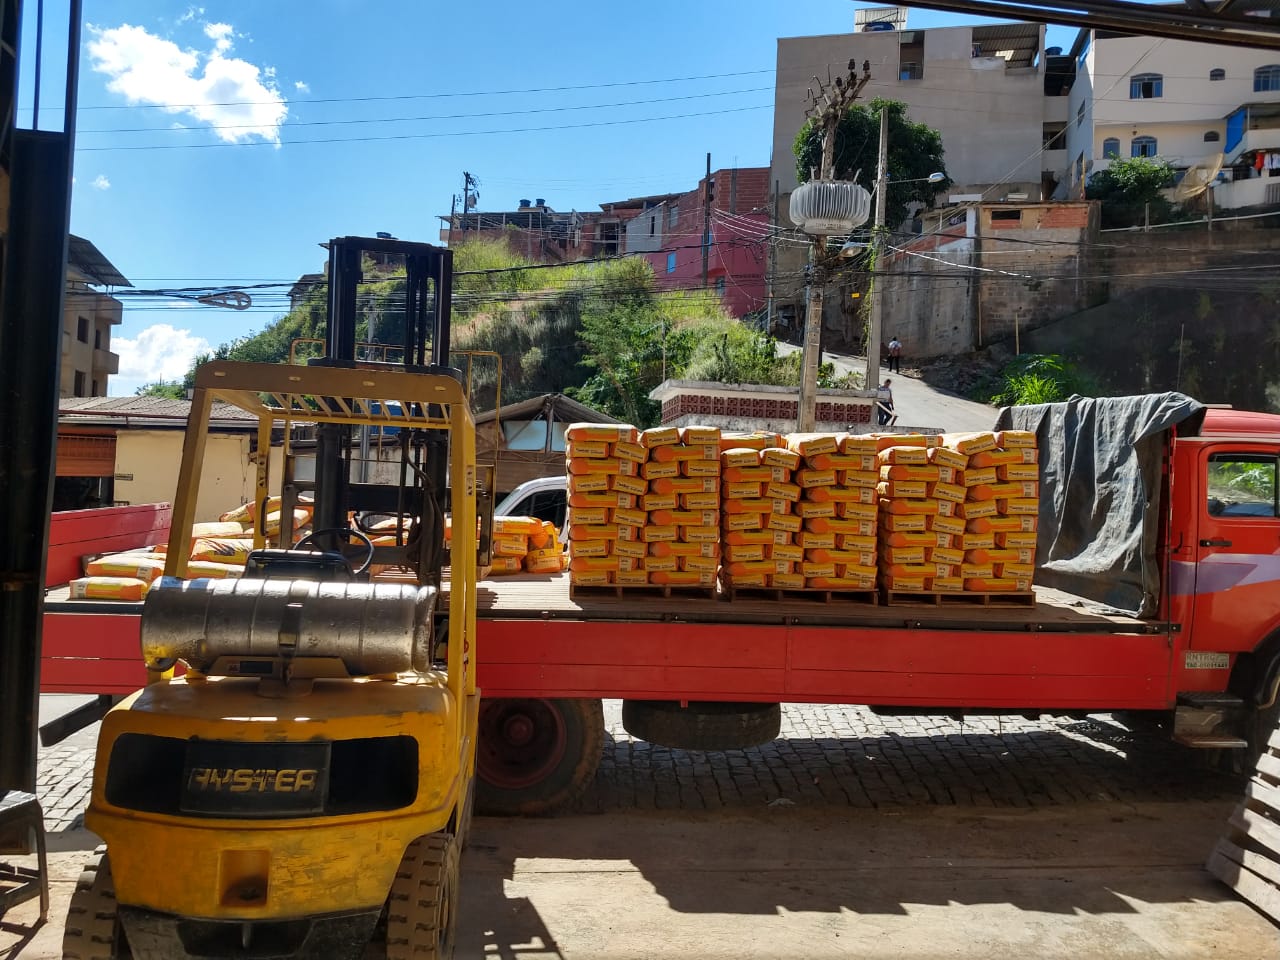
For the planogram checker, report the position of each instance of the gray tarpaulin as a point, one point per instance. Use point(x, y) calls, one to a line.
point(1100, 468)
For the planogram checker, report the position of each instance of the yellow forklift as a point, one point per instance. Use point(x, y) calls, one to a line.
point(304, 787)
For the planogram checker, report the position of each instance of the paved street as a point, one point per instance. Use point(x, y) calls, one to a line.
point(851, 835)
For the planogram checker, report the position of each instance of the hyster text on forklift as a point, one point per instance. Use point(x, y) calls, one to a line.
point(1157, 592)
point(306, 786)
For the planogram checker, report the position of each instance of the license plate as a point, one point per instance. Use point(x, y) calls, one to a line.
point(226, 778)
point(1197, 660)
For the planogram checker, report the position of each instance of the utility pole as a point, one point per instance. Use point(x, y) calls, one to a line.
point(706, 223)
point(875, 333)
point(469, 197)
point(453, 217)
point(773, 261)
point(828, 107)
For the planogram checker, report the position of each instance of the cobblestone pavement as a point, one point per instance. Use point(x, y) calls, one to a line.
point(841, 756)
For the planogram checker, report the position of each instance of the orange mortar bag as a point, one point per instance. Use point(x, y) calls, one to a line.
point(946, 541)
point(786, 581)
point(593, 531)
point(886, 440)
point(812, 444)
point(208, 570)
point(856, 558)
point(596, 466)
point(859, 444)
point(766, 567)
point(948, 555)
point(628, 518)
point(593, 564)
point(788, 552)
point(1025, 456)
point(913, 571)
point(901, 506)
point(270, 526)
point(588, 515)
point(808, 477)
point(739, 457)
point(507, 565)
point(850, 541)
point(697, 534)
point(680, 578)
point(699, 565)
point(592, 548)
point(630, 451)
point(678, 452)
point(980, 492)
point(659, 501)
point(593, 483)
point(758, 440)
point(858, 510)
point(700, 468)
point(901, 555)
point(969, 443)
point(589, 448)
point(976, 541)
point(1028, 489)
point(947, 508)
point(849, 494)
point(865, 529)
point(628, 548)
point(808, 540)
point(974, 476)
point(222, 550)
point(752, 474)
point(858, 571)
point(975, 508)
point(777, 457)
point(128, 566)
point(608, 432)
point(592, 578)
point(653, 534)
point(947, 491)
point(947, 584)
point(659, 437)
point(630, 578)
point(903, 584)
point(811, 568)
point(1010, 472)
point(942, 457)
point(740, 538)
point(903, 455)
point(108, 588)
point(807, 509)
point(941, 524)
point(1013, 541)
point(997, 584)
point(700, 435)
point(699, 501)
point(841, 461)
point(778, 490)
point(607, 500)
point(841, 583)
point(735, 522)
point(905, 538)
point(231, 528)
point(1015, 571)
point(659, 564)
point(997, 555)
point(906, 471)
point(707, 550)
point(543, 561)
point(904, 523)
point(788, 523)
point(1016, 438)
point(510, 546)
point(747, 505)
point(653, 470)
point(1011, 524)
point(685, 485)
point(977, 570)
point(1015, 506)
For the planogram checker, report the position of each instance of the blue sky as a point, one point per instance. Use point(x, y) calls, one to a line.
point(190, 166)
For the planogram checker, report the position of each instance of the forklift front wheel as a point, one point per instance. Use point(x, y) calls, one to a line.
point(422, 911)
point(93, 930)
point(536, 756)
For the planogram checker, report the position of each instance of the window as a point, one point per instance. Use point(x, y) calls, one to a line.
point(1146, 86)
point(1006, 218)
point(910, 71)
point(1212, 136)
point(1053, 136)
point(1111, 148)
point(653, 225)
point(549, 505)
point(1266, 78)
point(720, 285)
point(1217, 73)
point(1242, 485)
point(1080, 114)
point(671, 263)
point(1142, 147)
point(82, 329)
point(673, 216)
point(78, 389)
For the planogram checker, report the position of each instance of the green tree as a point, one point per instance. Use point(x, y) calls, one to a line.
point(915, 151)
point(170, 389)
point(1126, 188)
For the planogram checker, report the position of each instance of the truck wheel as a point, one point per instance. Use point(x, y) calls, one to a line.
point(702, 726)
point(422, 910)
point(536, 756)
point(93, 930)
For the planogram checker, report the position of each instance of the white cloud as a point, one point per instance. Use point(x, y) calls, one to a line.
point(229, 94)
point(191, 14)
point(100, 182)
point(160, 352)
point(220, 34)
point(301, 87)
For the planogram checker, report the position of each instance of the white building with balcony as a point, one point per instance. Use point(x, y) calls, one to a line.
point(1189, 103)
point(88, 314)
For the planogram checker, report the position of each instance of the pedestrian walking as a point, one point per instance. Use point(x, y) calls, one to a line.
point(895, 355)
point(885, 416)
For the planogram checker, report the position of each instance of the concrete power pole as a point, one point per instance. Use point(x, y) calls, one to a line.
point(706, 222)
point(876, 332)
point(828, 107)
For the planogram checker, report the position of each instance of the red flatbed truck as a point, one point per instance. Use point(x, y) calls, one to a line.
point(709, 674)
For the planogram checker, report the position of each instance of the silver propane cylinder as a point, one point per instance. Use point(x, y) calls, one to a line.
point(373, 628)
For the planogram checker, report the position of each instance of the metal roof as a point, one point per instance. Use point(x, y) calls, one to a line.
point(1016, 43)
point(158, 411)
point(554, 406)
point(84, 257)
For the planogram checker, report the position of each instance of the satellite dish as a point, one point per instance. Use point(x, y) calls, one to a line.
point(1197, 179)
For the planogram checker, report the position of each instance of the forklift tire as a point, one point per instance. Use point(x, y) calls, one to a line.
point(702, 726)
point(93, 930)
point(535, 756)
point(422, 909)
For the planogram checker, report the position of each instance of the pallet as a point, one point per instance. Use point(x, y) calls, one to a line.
point(615, 591)
point(729, 593)
point(1247, 858)
point(911, 598)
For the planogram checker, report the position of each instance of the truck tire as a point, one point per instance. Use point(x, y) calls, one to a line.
point(535, 756)
point(422, 909)
point(702, 726)
point(93, 930)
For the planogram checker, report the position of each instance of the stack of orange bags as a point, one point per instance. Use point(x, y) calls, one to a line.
point(1002, 502)
point(759, 519)
point(837, 508)
point(681, 508)
point(603, 462)
point(526, 545)
point(919, 515)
